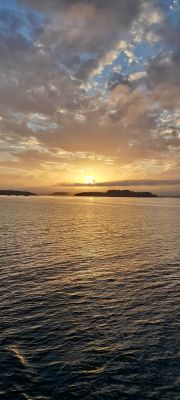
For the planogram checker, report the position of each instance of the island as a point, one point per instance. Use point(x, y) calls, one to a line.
point(16, 193)
point(117, 193)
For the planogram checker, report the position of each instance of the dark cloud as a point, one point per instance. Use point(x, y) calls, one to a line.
point(118, 79)
point(165, 68)
point(85, 26)
point(128, 183)
point(125, 8)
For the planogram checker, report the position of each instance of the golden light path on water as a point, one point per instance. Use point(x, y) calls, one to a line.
point(89, 299)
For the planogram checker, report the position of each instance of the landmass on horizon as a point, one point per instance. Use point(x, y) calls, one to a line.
point(109, 193)
point(16, 193)
point(117, 193)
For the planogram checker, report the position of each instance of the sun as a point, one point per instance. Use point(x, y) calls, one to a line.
point(89, 180)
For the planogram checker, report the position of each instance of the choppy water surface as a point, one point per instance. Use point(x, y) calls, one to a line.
point(89, 298)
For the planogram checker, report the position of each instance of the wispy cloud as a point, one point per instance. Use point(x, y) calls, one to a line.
point(125, 183)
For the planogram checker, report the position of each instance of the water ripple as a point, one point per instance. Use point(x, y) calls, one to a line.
point(89, 299)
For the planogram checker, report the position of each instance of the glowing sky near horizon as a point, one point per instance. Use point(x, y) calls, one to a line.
point(89, 93)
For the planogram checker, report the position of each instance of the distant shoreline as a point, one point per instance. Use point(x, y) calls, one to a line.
point(16, 193)
point(109, 193)
point(117, 193)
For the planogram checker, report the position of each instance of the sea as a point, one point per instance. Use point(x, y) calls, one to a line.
point(89, 298)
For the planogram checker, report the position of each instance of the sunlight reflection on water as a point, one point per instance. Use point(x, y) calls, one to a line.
point(89, 298)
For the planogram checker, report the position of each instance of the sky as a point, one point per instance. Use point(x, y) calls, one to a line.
point(89, 95)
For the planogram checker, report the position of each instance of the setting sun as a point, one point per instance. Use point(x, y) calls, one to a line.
point(89, 180)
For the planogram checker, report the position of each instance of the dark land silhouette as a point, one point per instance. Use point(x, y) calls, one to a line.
point(109, 193)
point(16, 193)
point(117, 193)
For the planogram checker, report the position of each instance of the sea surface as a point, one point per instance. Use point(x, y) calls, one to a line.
point(89, 298)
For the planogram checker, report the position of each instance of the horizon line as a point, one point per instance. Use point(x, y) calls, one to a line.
point(136, 182)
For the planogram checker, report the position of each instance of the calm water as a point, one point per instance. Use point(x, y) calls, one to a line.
point(89, 298)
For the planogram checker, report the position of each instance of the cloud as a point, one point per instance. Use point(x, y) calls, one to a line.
point(82, 77)
point(165, 68)
point(127, 183)
point(126, 8)
point(74, 27)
